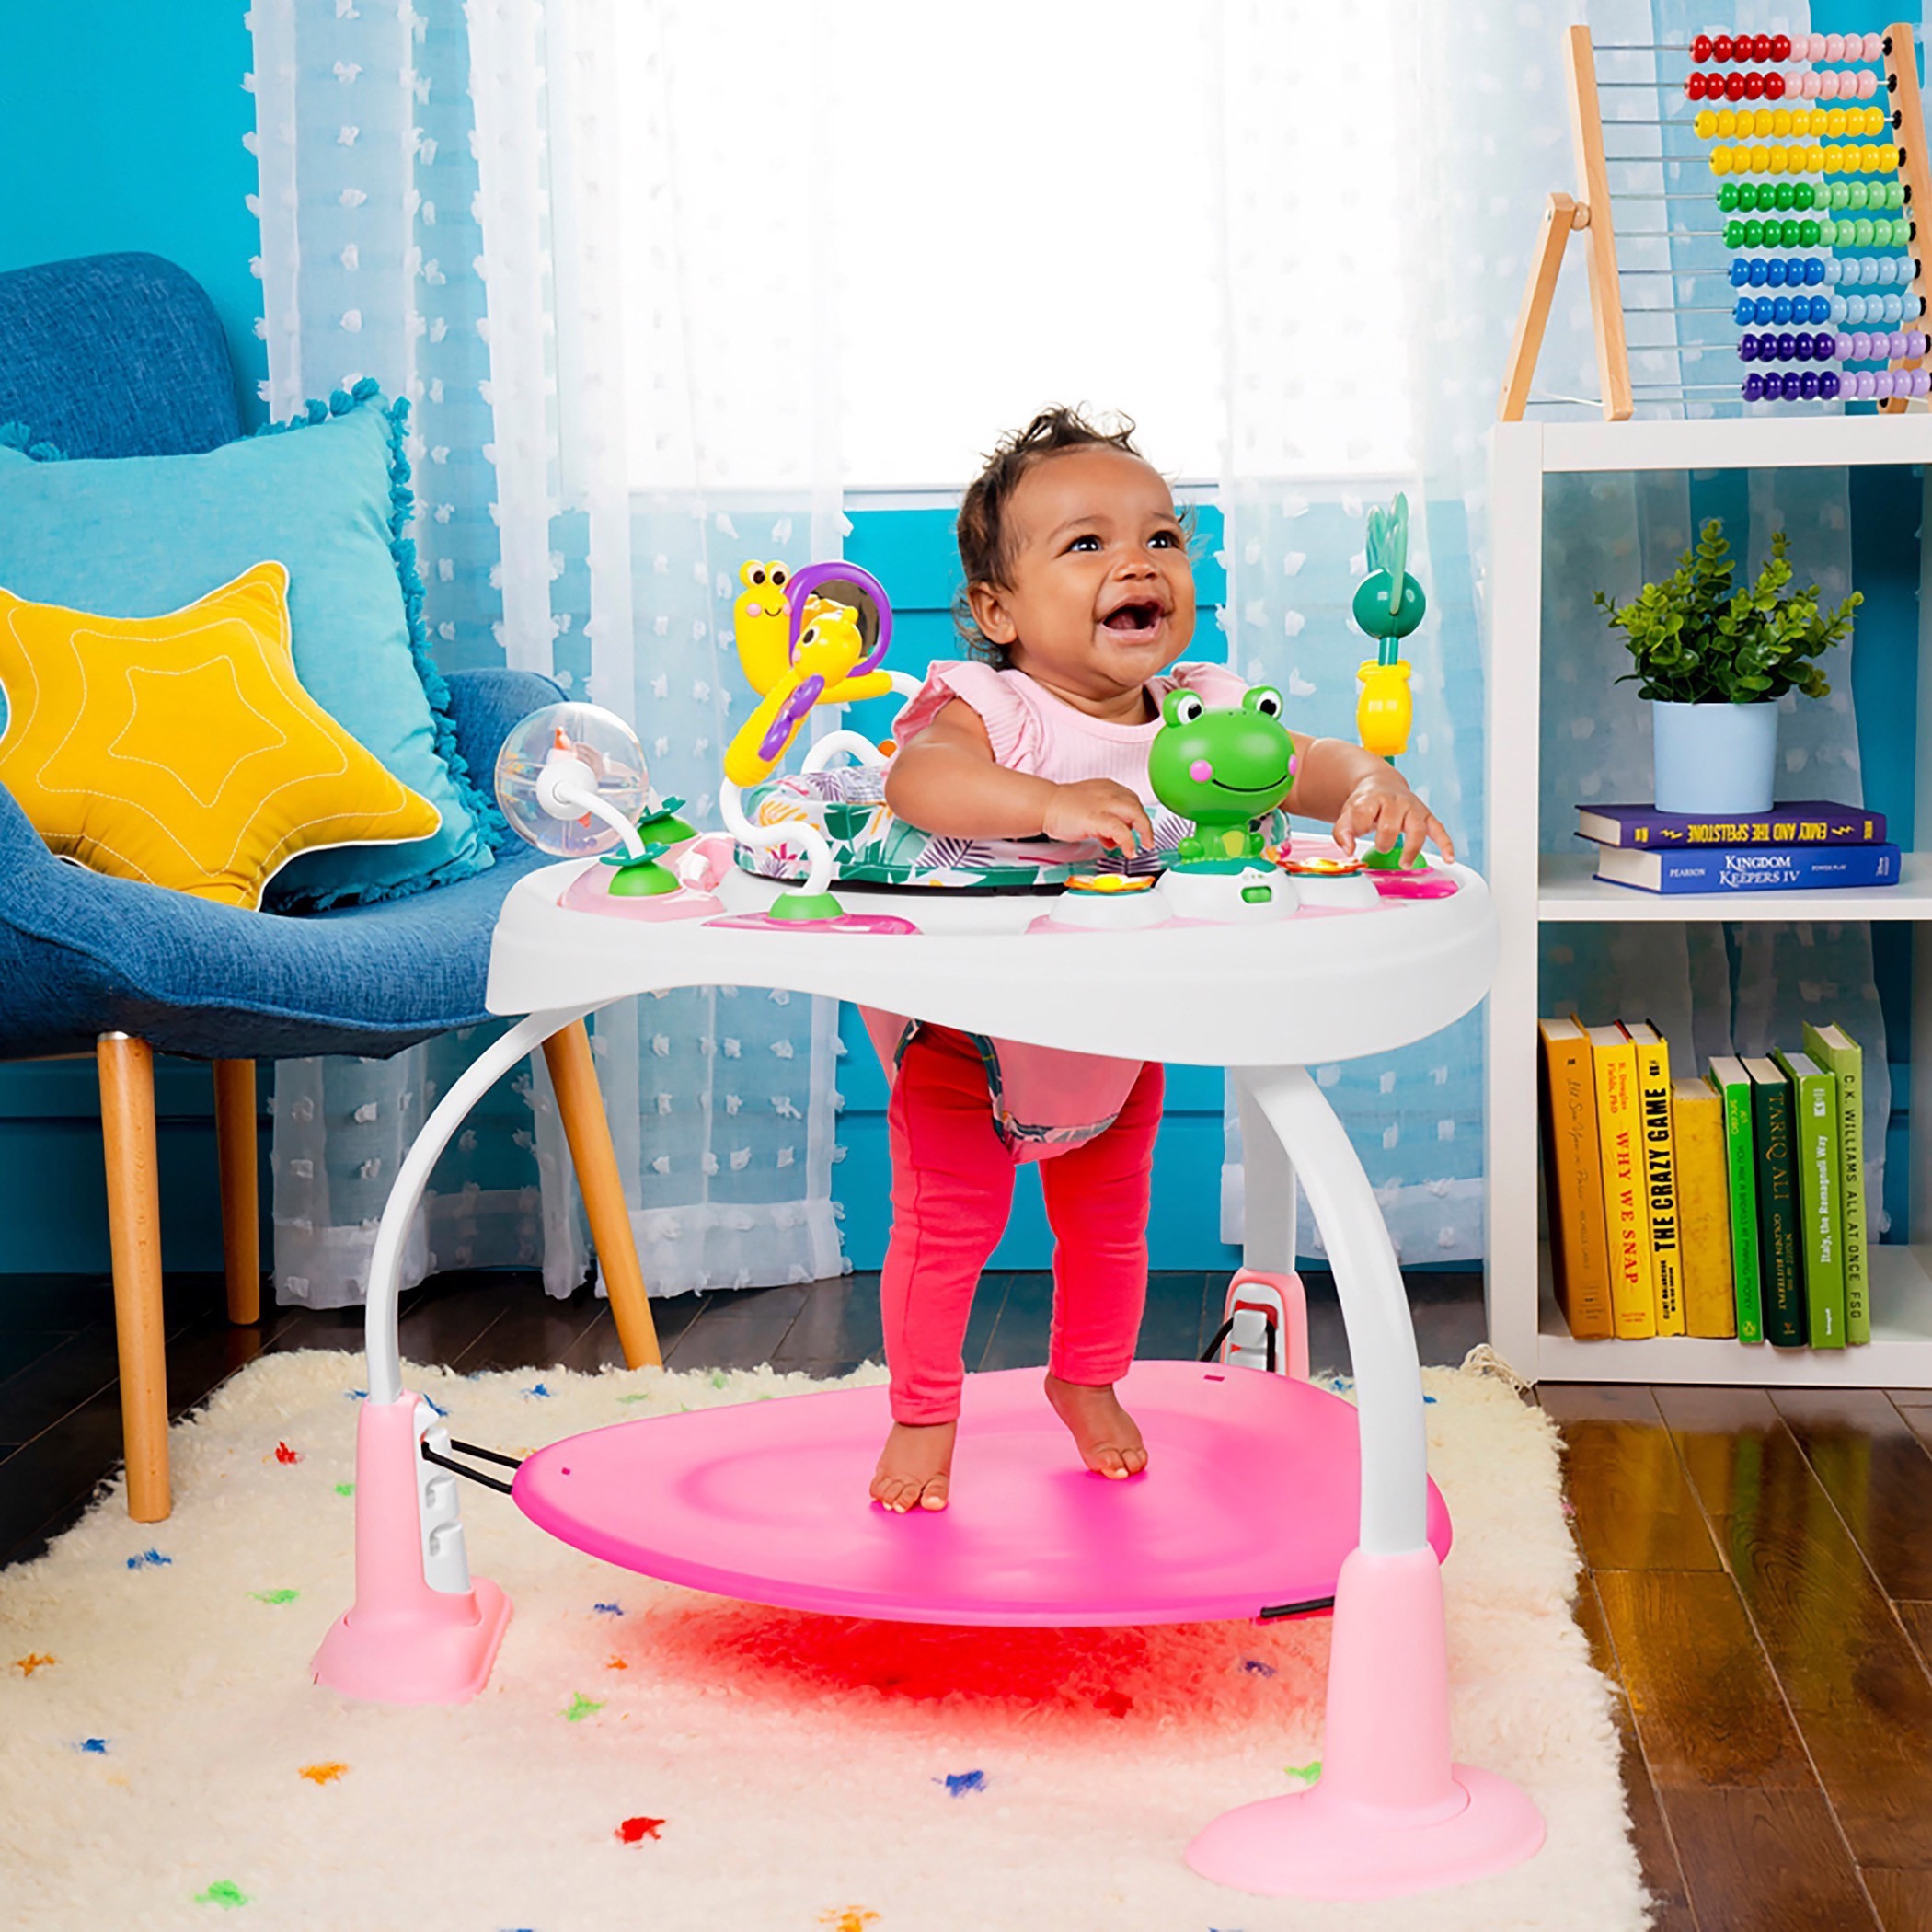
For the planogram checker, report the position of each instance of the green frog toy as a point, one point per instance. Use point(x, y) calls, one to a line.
point(1223, 770)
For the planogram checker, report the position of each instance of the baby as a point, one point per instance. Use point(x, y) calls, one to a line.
point(1079, 597)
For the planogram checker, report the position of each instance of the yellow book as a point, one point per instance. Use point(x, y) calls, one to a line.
point(1633, 1301)
point(1703, 1208)
point(1573, 1176)
point(1659, 1173)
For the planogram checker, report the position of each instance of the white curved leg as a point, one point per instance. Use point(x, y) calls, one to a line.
point(1375, 1308)
point(1391, 1812)
point(380, 1306)
point(422, 1629)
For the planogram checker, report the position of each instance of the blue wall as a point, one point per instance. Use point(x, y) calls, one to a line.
point(120, 128)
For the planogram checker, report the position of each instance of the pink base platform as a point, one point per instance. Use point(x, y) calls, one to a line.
point(1249, 1504)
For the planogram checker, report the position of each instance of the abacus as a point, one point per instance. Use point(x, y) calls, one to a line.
point(1807, 153)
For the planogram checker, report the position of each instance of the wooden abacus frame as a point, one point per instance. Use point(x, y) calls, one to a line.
point(1590, 210)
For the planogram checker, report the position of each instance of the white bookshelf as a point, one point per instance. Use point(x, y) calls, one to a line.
point(1531, 886)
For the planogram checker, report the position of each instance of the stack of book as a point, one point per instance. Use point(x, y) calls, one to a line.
point(1807, 846)
point(1733, 1205)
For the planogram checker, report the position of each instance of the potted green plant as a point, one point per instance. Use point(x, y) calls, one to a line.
point(1713, 662)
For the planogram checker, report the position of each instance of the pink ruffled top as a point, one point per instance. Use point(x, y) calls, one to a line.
point(1044, 1100)
point(1035, 732)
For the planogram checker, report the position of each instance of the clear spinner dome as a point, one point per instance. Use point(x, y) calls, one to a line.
point(554, 759)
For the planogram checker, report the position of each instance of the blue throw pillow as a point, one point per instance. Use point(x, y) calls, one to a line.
point(327, 496)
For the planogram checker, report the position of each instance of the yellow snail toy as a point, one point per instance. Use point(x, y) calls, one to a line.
point(800, 649)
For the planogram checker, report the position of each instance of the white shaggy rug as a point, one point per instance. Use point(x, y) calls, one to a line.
point(644, 1757)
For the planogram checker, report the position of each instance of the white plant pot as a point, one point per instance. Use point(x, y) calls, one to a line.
point(1715, 758)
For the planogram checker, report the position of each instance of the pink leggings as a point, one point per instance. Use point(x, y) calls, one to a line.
point(952, 1189)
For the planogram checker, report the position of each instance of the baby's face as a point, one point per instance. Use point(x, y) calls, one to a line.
point(1101, 593)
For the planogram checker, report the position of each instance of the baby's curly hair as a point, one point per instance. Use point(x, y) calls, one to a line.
point(986, 543)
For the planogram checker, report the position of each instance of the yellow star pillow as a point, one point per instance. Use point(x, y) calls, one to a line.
point(182, 749)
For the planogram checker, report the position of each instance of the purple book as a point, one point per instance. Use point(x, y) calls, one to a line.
point(1806, 822)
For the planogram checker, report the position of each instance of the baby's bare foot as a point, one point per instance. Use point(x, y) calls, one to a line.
point(915, 1466)
point(1103, 1431)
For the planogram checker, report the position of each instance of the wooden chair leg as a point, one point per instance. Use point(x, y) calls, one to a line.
point(568, 1056)
point(236, 1153)
point(126, 1068)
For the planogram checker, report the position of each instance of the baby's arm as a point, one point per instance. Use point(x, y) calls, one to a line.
point(947, 782)
point(1362, 793)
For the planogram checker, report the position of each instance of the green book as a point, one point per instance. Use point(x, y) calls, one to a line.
point(1783, 1283)
point(1834, 1048)
point(1733, 1084)
point(1821, 1236)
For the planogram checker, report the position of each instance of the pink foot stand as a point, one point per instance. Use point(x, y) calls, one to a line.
point(589, 892)
point(404, 1640)
point(1389, 1815)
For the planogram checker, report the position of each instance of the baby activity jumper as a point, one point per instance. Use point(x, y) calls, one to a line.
point(1265, 1496)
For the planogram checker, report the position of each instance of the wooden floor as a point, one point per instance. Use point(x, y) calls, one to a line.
point(1759, 1568)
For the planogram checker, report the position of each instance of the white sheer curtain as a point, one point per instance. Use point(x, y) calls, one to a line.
point(442, 205)
point(366, 199)
point(1326, 409)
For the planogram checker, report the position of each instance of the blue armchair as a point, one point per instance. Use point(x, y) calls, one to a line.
point(119, 355)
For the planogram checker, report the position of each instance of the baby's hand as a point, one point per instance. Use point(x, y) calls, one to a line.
point(1383, 804)
point(1097, 807)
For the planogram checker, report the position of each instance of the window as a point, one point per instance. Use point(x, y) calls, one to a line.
point(863, 239)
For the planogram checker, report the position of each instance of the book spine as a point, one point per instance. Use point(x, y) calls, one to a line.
point(1654, 831)
point(1703, 1210)
point(1784, 869)
point(1659, 1183)
point(1777, 1219)
point(1741, 1153)
point(1851, 1189)
point(1632, 1303)
point(1573, 1173)
point(1816, 1153)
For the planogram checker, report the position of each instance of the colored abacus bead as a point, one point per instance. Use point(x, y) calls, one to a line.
point(1774, 86)
point(1754, 388)
point(1808, 385)
point(1700, 47)
point(1780, 47)
point(1829, 383)
point(1721, 48)
point(1733, 86)
point(1693, 84)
